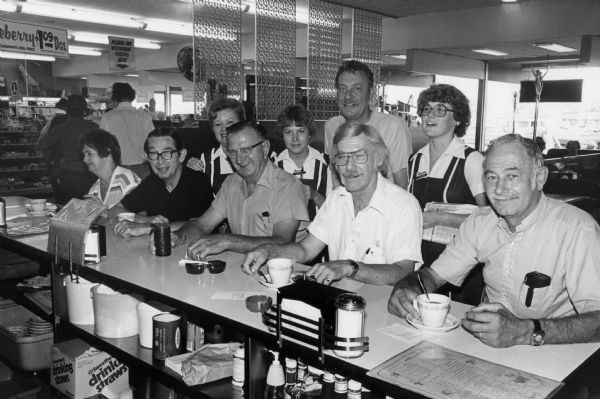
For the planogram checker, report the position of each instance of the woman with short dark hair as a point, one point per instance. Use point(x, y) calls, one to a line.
point(102, 156)
point(445, 170)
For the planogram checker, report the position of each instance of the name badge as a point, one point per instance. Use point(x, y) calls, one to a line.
point(421, 175)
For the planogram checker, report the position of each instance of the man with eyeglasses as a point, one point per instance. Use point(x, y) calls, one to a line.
point(172, 193)
point(372, 227)
point(355, 90)
point(262, 203)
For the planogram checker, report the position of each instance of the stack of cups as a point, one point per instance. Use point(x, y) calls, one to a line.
point(162, 239)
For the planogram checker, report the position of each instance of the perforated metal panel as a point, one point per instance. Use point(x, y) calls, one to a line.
point(275, 56)
point(324, 56)
point(217, 52)
point(366, 39)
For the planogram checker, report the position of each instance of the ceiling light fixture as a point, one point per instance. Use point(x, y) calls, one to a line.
point(94, 52)
point(132, 75)
point(399, 56)
point(489, 51)
point(99, 38)
point(24, 56)
point(169, 26)
point(79, 14)
point(559, 48)
point(510, 1)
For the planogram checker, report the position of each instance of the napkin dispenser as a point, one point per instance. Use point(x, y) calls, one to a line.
point(312, 293)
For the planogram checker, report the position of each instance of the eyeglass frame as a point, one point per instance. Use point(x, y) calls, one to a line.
point(352, 155)
point(161, 155)
point(446, 110)
point(247, 151)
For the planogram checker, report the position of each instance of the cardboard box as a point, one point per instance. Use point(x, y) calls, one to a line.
point(80, 371)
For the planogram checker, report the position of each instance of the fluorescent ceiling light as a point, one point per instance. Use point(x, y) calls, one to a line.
point(79, 14)
point(489, 51)
point(559, 48)
point(8, 7)
point(99, 38)
point(168, 26)
point(509, 1)
point(399, 56)
point(132, 75)
point(23, 56)
point(85, 51)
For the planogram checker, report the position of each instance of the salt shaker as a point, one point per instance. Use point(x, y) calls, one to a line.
point(350, 317)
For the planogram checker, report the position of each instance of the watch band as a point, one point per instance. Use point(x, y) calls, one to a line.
point(538, 334)
point(355, 268)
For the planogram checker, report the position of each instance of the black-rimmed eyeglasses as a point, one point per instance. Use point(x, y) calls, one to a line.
point(246, 151)
point(166, 155)
point(438, 110)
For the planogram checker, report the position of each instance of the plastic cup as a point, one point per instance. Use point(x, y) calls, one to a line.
point(145, 314)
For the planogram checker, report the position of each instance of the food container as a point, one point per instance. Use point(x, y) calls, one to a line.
point(115, 314)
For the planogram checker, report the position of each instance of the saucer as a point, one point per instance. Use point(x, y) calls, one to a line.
point(267, 283)
point(450, 324)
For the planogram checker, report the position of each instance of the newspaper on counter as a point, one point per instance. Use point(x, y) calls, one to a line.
point(445, 234)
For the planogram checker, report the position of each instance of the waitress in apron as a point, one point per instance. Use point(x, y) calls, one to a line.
point(445, 170)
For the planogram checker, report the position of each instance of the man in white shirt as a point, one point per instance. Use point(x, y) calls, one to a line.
point(130, 126)
point(355, 89)
point(371, 226)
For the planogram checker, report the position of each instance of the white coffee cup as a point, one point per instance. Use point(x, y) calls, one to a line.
point(280, 270)
point(38, 205)
point(126, 216)
point(433, 312)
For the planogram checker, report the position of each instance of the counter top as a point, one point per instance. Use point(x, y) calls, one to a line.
point(129, 260)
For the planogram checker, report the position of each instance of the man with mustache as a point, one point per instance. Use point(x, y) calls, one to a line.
point(354, 84)
point(372, 227)
point(541, 256)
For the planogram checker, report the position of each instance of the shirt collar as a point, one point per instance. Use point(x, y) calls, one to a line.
point(266, 179)
point(124, 104)
point(377, 201)
point(529, 219)
point(312, 154)
point(456, 148)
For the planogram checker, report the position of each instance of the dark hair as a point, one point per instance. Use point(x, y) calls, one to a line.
point(122, 92)
point(353, 129)
point(296, 115)
point(103, 142)
point(165, 132)
point(449, 94)
point(61, 104)
point(354, 66)
point(76, 105)
point(225, 103)
point(530, 147)
point(257, 127)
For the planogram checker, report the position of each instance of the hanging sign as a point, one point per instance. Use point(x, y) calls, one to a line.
point(21, 37)
point(121, 56)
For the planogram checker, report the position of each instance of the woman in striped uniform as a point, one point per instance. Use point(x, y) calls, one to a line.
point(297, 125)
point(222, 113)
point(445, 170)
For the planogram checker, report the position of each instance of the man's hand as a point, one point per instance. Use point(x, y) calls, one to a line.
point(404, 293)
point(255, 259)
point(209, 245)
point(495, 326)
point(328, 272)
point(125, 228)
point(195, 164)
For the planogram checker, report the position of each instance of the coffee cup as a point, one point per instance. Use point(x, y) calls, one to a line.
point(38, 205)
point(433, 311)
point(280, 270)
point(126, 216)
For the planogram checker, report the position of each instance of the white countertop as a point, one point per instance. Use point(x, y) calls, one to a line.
point(130, 260)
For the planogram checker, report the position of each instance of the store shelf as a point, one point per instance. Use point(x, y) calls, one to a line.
point(129, 351)
point(27, 191)
point(30, 159)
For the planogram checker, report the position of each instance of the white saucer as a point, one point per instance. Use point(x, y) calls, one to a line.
point(38, 213)
point(267, 283)
point(450, 324)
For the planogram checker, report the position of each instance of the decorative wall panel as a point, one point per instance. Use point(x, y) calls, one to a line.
point(217, 52)
point(324, 56)
point(366, 39)
point(275, 56)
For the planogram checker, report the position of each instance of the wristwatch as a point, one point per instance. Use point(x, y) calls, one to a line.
point(355, 268)
point(538, 334)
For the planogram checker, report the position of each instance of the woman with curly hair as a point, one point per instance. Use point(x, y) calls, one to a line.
point(445, 170)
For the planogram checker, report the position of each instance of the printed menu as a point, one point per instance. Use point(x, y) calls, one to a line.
point(437, 372)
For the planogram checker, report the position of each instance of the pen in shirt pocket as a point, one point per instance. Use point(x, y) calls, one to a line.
point(267, 216)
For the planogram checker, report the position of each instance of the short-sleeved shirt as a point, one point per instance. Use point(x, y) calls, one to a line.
point(121, 183)
point(277, 196)
point(189, 199)
point(393, 131)
point(392, 222)
point(131, 127)
point(556, 239)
